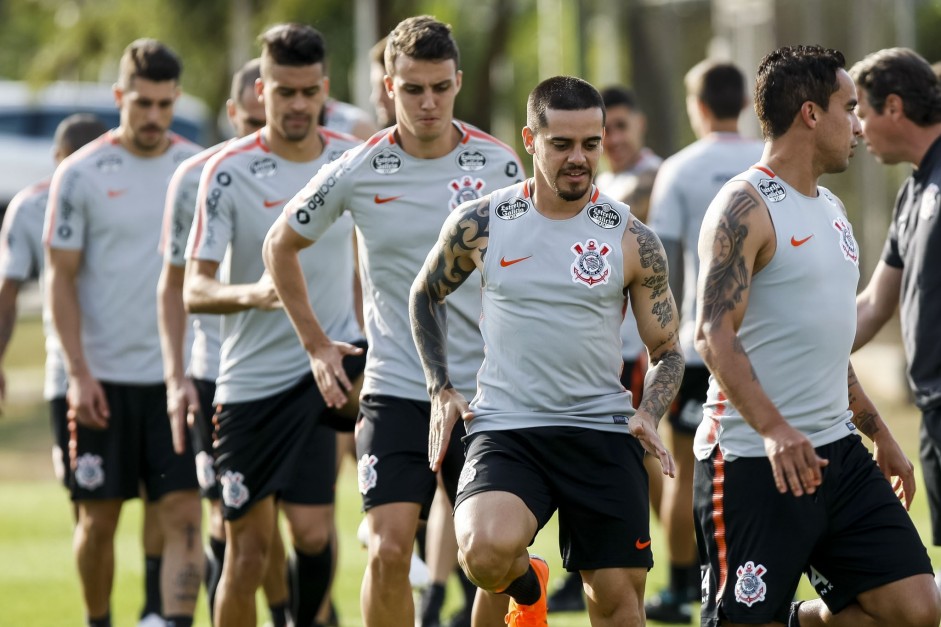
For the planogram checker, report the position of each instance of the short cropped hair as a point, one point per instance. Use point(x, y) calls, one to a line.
point(907, 74)
point(790, 76)
point(149, 59)
point(617, 96)
point(291, 44)
point(377, 54)
point(244, 78)
point(563, 93)
point(718, 85)
point(77, 130)
point(422, 38)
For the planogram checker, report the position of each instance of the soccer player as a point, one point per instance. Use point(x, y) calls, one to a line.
point(551, 427)
point(101, 229)
point(268, 444)
point(190, 390)
point(784, 483)
point(686, 183)
point(399, 187)
point(900, 113)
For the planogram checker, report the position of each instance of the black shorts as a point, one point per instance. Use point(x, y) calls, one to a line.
point(851, 535)
point(632, 378)
point(595, 479)
point(275, 446)
point(59, 419)
point(135, 448)
point(201, 434)
point(392, 449)
point(686, 410)
point(929, 439)
point(354, 366)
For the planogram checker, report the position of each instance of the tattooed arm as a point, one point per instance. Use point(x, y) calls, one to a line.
point(647, 285)
point(459, 251)
point(887, 452)
point(736, 241)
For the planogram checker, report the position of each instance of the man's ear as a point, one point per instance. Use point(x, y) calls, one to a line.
point(529, 140)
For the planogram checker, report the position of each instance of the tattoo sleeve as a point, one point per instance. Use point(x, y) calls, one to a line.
point(662, 383)
point(462, 243)
point(865, 417)
point(728, 274)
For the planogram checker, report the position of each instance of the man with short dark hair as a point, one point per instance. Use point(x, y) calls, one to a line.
point(900, 113)
point(551, 427)
point(686, 184)
point(783, 482)
point(101, 229)
point(399, 187)
point(270, 451)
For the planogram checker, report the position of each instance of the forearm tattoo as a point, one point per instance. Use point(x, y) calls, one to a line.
point(728, 273)
point(442, 275)
point(662, 383)
point(866, 420)
point(652, 258)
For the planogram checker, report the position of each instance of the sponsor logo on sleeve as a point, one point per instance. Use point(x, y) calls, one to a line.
point(750, 588)
point(471, 160)
point(591, 266)
point(511, 209)
point(64, 231)
point(224, 178)
point(848, 245)
point(772, 190)
point(386, 162)
point(264, 167)
point(464, 189)
point(604, 215)
point(511, 169)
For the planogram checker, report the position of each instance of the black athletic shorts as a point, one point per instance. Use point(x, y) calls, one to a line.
point(686, 410)
point(59, 419)
point(595, 479)
point(929, 439)
point(852, 535)
point(201, 434)
point(392, 449)
point(354, 366)
point(135, 448)
point(632, 378)
point(275, 446)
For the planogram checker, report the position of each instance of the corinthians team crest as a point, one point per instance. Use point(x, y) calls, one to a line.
point(234, 491)
point(750, 588)
point(590, 266)
point(847, 242)
point(465, 188)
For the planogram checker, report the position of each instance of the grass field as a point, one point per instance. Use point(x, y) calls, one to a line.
point(38, 583)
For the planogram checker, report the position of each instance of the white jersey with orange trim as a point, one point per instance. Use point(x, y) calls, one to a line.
point(553, 304)
point(799, 326)
point(108, 203)
point(22, 258)
point(343, 117)
point(685, 185)
point(399, 203)
point(241, 193)
point(619, 185)
point(203, 343)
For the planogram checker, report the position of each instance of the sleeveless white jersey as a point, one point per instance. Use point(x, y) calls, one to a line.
point(553, 304)
point(399, 204)
point(22, 258)
point(202, 343)
point(108, 203)
point(241, 193)
point(686, 183)
point(799, 326)
point(617, 185)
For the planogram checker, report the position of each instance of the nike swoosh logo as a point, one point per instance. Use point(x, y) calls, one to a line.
point(114, 193)
point(379, 200)
point(509, 262)
point(641, 545)
point(274, 203)
point(800, 242)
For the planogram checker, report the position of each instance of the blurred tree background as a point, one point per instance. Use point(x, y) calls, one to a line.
point(507, 46)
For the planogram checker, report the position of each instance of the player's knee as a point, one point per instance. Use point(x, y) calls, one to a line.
point(180, 511)
point(388, 557)
point(312, 540)
point(486, 564)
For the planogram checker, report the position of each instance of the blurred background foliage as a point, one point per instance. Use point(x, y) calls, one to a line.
point(507, 46)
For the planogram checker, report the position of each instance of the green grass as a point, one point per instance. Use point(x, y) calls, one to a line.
point(38, 580)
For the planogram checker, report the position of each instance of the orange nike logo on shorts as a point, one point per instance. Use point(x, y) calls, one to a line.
point(799, 242)
point(509, 262)
point(641, 545)
point(379, 200)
